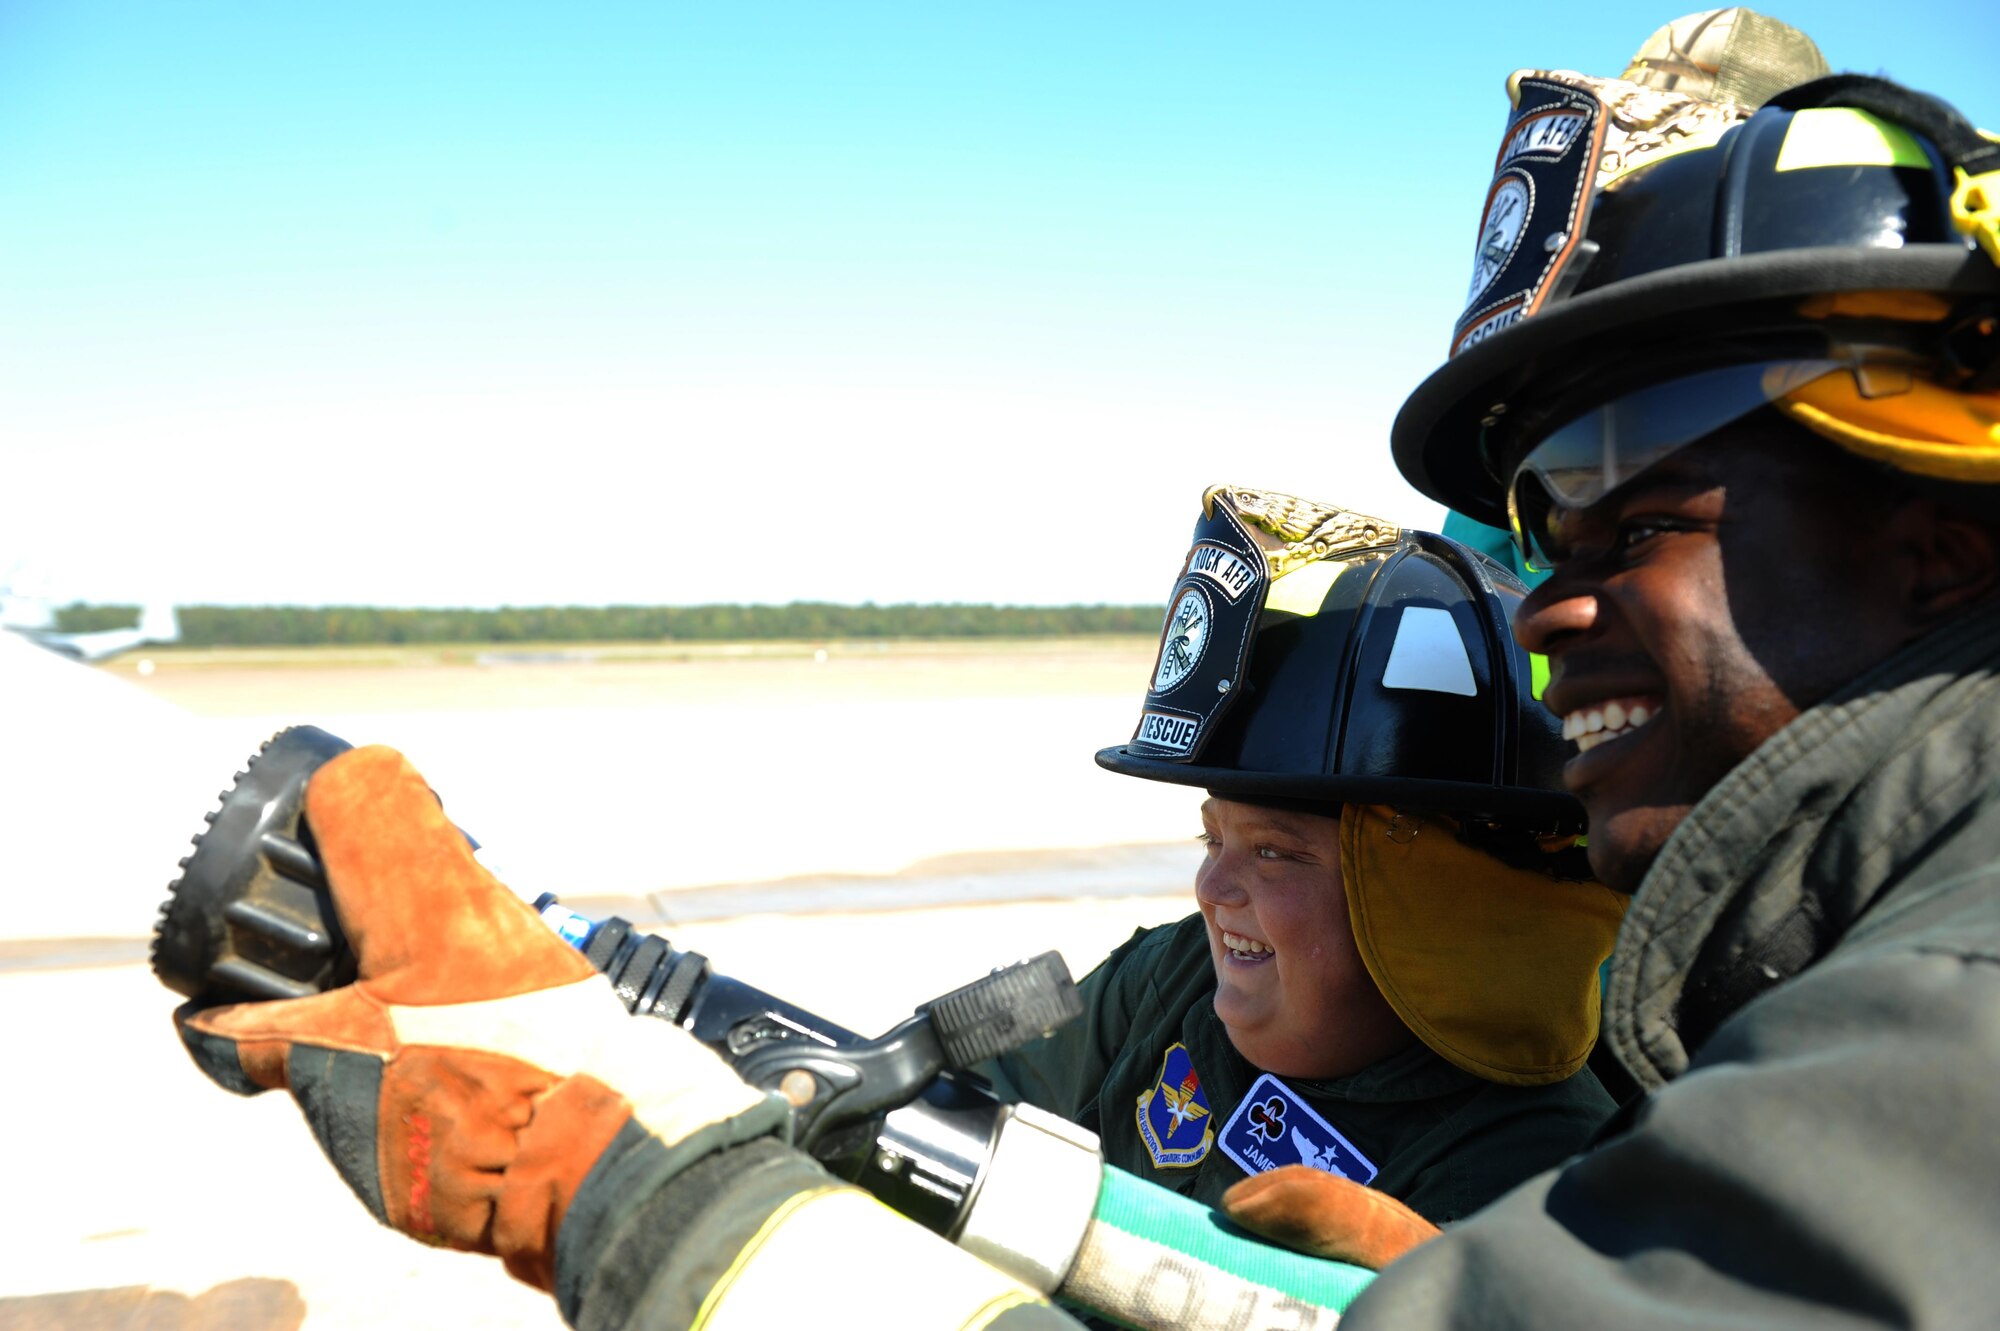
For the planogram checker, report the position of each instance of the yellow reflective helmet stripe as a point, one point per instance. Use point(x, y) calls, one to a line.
point(1843, 136)
point(1303, 590)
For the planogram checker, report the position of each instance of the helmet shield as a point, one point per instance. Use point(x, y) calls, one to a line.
point(1211, 620)
point(1535, 207)
point(1587, 457)
point(1357, 662)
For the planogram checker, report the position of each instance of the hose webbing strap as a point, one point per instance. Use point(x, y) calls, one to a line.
point(1152, 1258)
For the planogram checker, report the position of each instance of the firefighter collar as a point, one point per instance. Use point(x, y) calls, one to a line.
point(1174, 1119)
point(1274, 1127)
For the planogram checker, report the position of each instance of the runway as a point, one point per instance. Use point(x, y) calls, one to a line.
point(855, 845)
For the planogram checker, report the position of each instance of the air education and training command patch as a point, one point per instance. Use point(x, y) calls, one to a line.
point(1174, 1119)
point(1274, 1127)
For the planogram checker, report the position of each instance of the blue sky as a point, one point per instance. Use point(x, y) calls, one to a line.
point(476, 303)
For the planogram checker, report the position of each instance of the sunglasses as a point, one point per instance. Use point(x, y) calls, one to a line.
point(1592, 454)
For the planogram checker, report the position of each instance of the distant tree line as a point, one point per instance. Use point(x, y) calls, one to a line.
point(362, 625)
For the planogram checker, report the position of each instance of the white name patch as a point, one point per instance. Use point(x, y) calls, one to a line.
point(1274, 1127)
point(1164, 730)
point(1225, 568)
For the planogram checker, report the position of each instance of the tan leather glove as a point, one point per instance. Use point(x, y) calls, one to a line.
point(479, 1067)
point(1312, 1211)
point(480, 1087)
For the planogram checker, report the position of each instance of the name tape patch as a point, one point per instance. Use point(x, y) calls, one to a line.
point(1225, 568)
point(1274, 1127)
point(1165, 730)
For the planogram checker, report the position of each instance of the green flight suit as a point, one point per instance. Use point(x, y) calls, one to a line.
point(1445, 1142)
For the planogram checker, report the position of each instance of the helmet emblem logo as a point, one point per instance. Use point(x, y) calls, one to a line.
point(1500, 230)
point(1186, 638)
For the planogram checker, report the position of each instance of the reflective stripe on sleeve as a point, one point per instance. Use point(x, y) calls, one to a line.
point(841, 1238)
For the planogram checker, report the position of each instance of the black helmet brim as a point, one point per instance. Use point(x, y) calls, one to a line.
point(1435, 440)
point(1550, 809)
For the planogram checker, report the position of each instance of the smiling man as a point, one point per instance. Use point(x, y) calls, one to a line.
point(1735, 381)
point(1686, 625)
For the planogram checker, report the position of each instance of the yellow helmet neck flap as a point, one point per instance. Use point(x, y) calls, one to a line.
point(1493, 967)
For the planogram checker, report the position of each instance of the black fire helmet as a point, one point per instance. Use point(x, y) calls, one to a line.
point(1318, 656)
point(1635, 233)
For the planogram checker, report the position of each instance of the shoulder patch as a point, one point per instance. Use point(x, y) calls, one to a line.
point(1274, 1126)
point(1174, 1119)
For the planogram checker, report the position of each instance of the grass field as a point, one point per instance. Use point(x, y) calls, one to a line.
point(225, 681)
point(436, 654)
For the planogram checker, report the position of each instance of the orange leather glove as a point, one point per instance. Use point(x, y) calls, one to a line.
point(479, 1067)
point(1312, 1211)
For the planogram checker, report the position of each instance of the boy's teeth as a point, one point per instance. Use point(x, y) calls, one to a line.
point(1591, 726)
point(1238, 943)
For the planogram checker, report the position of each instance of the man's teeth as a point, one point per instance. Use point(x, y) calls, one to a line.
point(1591, 726)
point(1248, 946)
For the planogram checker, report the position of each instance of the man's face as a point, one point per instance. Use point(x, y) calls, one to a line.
point(1291, 988)
point(1693, 613)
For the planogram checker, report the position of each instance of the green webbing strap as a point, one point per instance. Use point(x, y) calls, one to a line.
point(1152, 1258)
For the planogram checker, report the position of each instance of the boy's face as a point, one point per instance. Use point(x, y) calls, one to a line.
point(1291, 988)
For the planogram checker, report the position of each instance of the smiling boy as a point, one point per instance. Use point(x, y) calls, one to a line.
point(1391, 976)
point(1291, 988)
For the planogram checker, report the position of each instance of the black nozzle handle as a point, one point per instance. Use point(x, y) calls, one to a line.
point(1007, 1009)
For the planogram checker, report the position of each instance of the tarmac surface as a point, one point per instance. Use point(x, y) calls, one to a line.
point(143, 1196)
